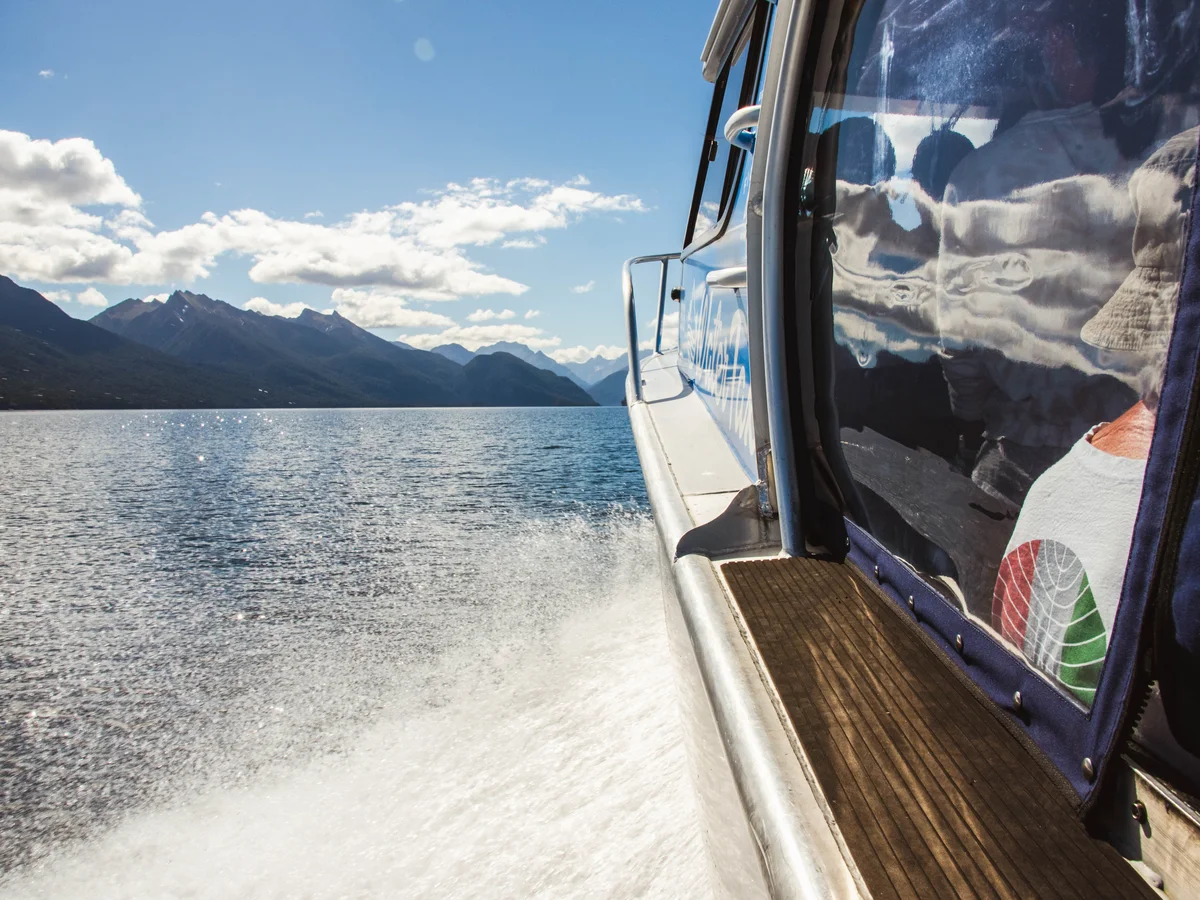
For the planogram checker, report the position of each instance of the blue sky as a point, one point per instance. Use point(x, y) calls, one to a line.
point(288, 109)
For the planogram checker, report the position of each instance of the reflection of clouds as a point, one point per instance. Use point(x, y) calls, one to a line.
point(883, 274)
point(730, 250)
point(706, 217)
point(864, 337)
point(715, 354)
point(1023, 274)
point(1020, 274)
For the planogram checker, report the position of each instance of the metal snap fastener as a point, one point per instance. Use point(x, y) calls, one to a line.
point(1138, 810)
point(958, 643)
point(1017, 700)
point(1089, 771)
point(912, 604)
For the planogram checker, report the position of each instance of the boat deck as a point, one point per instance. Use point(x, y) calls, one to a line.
point(934, 795)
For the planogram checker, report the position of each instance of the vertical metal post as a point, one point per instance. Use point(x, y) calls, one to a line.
point(635, 369)
point(792, 23)
point(662, 301)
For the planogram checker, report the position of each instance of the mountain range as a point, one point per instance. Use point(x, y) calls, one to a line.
point(610, 390)
point(194, 351)
point(603, 379)
point(585, 374)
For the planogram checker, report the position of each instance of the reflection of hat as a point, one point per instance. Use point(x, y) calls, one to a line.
point(1139, 315)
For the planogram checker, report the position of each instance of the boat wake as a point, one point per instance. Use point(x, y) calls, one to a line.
point(540, 756)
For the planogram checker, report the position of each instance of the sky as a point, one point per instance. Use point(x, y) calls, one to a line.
point(470, 171)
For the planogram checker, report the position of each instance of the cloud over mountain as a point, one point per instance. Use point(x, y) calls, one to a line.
point(475, 336)
point(414, 249)
point(583, 354)
point(381, 308)
point(269, 308)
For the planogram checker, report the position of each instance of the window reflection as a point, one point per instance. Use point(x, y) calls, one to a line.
point(716, 177)
point(1004, 237)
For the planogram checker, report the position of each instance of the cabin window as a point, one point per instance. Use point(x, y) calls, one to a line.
point(1003, 196)
point(718, 158)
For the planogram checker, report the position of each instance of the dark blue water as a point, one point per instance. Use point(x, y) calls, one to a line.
point(401, 652)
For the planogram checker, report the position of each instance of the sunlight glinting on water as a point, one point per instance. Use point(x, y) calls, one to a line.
point(500, 725)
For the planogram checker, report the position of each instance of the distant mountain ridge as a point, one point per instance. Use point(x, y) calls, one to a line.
point(311, 359)
point(193, 350)
point(585, 374)
point(594, 370)
point(610, 390)
point(537, 358)
point(455, 353)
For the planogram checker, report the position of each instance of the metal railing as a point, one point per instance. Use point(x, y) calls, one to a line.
point(635, 366)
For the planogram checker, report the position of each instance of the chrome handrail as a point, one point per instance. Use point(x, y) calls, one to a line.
point(738, 125)
point(635, 366)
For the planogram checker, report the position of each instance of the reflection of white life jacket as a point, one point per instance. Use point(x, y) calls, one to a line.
point(1059, 584)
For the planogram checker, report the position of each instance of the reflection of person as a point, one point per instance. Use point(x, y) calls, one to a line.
point(1036, 229)
point(1059, 584)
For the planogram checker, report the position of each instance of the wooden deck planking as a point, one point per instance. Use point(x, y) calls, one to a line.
point(933, 794)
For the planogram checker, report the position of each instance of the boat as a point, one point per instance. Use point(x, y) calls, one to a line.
point(923, 449)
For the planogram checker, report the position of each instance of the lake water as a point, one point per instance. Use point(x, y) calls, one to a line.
point(335, 654)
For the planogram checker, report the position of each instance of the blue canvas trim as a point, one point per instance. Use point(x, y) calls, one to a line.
point(1177, 645)
point(1052, 721)
point(1177, 642)
point(1130, 639)
point(1065, 732)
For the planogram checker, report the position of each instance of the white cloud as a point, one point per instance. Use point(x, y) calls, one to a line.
point(46, 73)
point(670, 320)
point(414, 249)
point(486, 315)
point(43, 182)
point(706, 217)
point(87, 297)
point(423, 49)
point(670, 332)
point(583, 288)
point(532, 313)
point(583, 354)
point(485, 210)
point(267, 308)
point(529, 243)
point(315, 214)
point(363, 250)
point(162, 298)
point(384, 309)
point(91, 297)
point(475, 336)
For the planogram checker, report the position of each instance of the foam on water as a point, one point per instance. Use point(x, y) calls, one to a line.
point(533, 761)
point(367, 654)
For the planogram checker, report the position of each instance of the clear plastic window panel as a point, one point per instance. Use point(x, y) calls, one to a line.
point(710, 210)
point(1002, 244)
